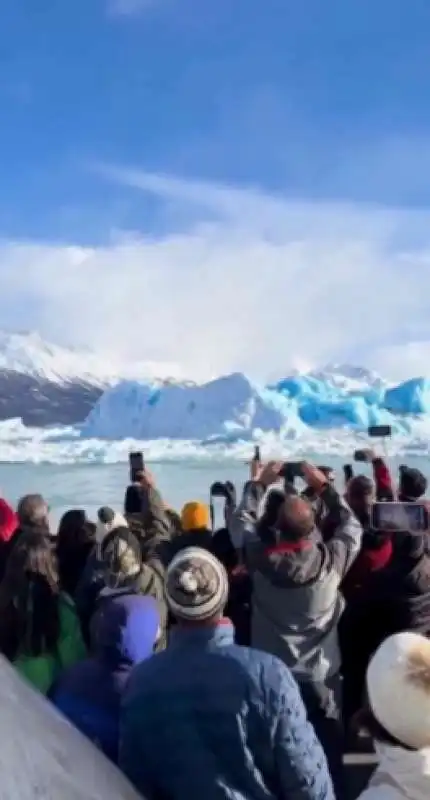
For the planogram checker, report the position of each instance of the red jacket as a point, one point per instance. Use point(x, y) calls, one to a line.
point(382, 477)
point(375, 554)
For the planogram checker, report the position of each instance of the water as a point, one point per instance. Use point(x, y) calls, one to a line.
point(91, 485)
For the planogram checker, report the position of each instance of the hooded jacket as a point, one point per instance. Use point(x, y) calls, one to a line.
point(123, 632)
point(296, 602)
point(8, 528)
point(401, 775)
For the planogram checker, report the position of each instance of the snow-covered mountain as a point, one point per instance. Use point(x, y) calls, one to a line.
point(45, 384)
point(28, 354)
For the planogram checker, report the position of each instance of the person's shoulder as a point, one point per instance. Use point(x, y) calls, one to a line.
point(145, 676)
point(267, 669)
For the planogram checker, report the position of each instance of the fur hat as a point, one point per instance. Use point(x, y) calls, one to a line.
point(398, 688)
point(196, 585)
point(121, 557)
point(107, 521)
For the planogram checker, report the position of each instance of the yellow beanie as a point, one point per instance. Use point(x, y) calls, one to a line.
point(194, 516)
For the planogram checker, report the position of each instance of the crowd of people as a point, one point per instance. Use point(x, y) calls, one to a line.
point(233, 663)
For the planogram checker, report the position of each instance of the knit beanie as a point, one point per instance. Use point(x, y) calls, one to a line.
point(121, 557)
point(107, 521)
point(196, 585)
point(195, 516)
point(398, 688)
point(8, 521)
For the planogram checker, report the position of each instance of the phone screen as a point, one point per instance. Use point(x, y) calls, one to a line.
point(137, 465)
point(390, 517)
point(379, 431)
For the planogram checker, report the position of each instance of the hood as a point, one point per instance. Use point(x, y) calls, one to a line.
point(8, 521)
point(408, 771)
point(125, 629)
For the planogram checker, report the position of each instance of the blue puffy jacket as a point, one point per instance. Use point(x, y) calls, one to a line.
point(209, 720)
point(123, 633)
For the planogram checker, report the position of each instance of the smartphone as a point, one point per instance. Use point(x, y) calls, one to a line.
point(391, 517)
point(257, 454)
point(218, 489)
point(329, 473)
point(292, 470)
point(379, 431)
point(360, 455)
point(137, 464)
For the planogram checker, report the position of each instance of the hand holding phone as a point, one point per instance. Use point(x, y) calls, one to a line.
point(365, 455)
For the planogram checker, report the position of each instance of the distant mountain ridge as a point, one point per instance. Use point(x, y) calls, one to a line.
point(45, 384)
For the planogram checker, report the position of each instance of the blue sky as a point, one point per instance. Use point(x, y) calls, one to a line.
point(319, 106)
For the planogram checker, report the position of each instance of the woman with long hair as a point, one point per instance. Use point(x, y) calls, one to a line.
point(75, 541)
point(39, 628)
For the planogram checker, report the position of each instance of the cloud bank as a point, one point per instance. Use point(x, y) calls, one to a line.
point(248, 282)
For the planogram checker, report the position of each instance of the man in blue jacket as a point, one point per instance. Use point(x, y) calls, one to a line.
point(209, 720)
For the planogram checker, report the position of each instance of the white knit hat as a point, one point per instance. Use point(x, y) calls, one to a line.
point(196, 585)
point(398, 688)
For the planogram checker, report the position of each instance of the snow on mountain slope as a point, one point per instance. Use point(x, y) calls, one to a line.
point(29, 354)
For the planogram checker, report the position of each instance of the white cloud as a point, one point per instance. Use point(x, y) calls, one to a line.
point(256, 283)
point(128, 8)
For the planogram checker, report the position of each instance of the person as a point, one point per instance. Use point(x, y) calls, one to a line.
point(210, 719)
point(124, 632)
point(121, 570)
point(8, 527)
point(396, 598)
point(33, 514)
point(74, 542)
point(39, 628)
point(196, 528)
point(92, 578)
point(152, 524)
point(125, 573)
point(412, 484)
point(397, 717)
point(376, 546)
point(43, 756)
point(296, 600)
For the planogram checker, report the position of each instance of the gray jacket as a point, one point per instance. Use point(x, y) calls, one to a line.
point(296, 602)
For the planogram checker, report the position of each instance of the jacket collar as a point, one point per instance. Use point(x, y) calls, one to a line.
point(220, 634)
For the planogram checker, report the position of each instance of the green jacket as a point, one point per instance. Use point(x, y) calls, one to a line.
point(41, 671)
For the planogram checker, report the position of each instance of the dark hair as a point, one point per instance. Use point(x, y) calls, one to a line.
point(29, 593)
point(412, 484)
point(133, 500)
point(75, 541)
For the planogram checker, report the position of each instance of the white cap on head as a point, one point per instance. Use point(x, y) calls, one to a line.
point(398, 688)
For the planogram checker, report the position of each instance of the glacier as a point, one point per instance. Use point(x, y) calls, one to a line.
point(233, 408)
